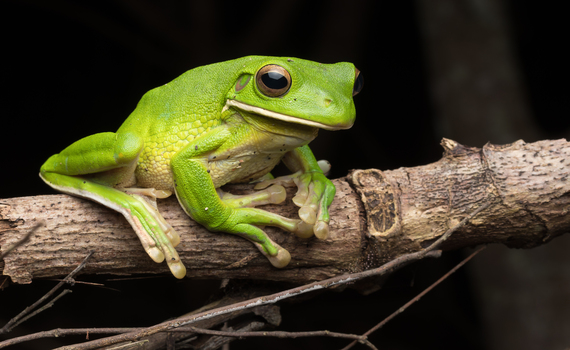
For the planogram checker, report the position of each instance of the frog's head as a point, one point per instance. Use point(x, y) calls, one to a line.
point(297, 91)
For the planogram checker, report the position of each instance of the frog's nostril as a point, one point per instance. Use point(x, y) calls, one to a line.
point(358, 82)
point(328, 102)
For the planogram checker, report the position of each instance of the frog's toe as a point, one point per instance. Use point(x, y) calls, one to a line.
point(308, 214)
point(321, 230)
point(325, 166)
point(177, 268)
point(303, 230)
point(280, 256)
point(262, 184)
point(281, 259)
point(286, 181)
point(147, 241)
point(300, 198)
point(172, 236)
point(158, 238)
point(155, 254)
point(174, 263)
point(277, 194)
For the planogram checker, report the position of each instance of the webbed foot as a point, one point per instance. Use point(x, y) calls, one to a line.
point(314, 196)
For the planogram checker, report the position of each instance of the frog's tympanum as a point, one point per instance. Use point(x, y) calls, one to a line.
point(222, 123)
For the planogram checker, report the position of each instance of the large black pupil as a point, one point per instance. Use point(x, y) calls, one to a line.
point(274, 80)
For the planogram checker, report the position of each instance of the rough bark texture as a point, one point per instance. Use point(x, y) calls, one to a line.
point(528, 182)
point(76, 226)
point(390, 213)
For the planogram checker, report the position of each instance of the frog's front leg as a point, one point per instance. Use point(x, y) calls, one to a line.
point(197, 195)
point(315, 192)
point(90, 168)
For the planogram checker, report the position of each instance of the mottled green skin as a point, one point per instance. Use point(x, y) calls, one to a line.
point(197, 133)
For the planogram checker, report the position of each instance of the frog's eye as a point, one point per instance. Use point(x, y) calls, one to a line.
point(358, 83)
point(273, 80)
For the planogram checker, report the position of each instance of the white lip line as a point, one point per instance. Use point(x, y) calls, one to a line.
point(279, 116)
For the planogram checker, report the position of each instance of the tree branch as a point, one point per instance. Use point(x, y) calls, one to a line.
point(273, 298)
point(376, 217)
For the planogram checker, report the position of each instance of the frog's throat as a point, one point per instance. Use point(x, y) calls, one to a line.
point(280, 116)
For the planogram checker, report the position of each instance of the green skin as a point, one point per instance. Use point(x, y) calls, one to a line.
point(214, 125)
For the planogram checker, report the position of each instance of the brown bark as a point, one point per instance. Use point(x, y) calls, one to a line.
point(76, 226)
point(376, 216)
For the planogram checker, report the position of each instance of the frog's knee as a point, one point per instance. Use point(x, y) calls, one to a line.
point(50, 165)
point(127, 147)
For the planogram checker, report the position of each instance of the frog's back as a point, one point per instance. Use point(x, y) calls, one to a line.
point(173, 115)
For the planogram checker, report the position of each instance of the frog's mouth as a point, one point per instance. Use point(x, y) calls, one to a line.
point(280, 116)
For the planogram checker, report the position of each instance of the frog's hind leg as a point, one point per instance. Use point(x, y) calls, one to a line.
point(92, 166)
point(157, 237)
point(246, 222)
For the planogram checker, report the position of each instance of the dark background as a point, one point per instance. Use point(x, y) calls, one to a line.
point(71, 69)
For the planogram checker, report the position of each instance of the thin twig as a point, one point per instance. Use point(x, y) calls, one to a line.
point(220, 342)
point(69, 279)
point(172, 325)
point(417, 297)
point(60, 332)
point(94, 284)
point(46, 306)
point(280, 334)
point(273, 298)
point(4, 282)
point(24, 239)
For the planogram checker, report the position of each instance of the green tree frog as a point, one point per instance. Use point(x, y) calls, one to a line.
point(221, 123)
